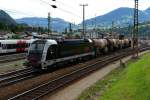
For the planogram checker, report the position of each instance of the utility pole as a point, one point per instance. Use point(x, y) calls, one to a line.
point(83, 33)
point(49, 19)
point(49, 23)
point(129, 30)
point(95, 21)
point(70, 28)
point(135, 32)
point(97, 35)
point(112, 29)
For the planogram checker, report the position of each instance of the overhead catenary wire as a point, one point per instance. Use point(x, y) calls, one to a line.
point(69, 12)
point(44, 1)
point(66, 5)
point(17, 12)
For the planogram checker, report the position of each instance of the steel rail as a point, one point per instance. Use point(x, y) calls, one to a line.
point(41, 90)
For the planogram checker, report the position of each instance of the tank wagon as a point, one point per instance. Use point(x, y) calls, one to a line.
point(101, 46)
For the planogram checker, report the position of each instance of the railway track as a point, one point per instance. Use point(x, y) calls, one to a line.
point(16, 76)
point(51, 86)
point(12, 57)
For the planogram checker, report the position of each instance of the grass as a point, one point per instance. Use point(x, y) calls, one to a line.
point(129, 83)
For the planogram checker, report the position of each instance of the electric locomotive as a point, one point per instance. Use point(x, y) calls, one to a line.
point(43, 54)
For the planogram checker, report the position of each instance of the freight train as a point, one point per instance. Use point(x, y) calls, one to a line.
point(14, 46)
point(43, 54)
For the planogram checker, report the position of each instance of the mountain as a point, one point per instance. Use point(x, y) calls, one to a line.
point(147, 10)
point(6, 19)
point(57, 24)
point(120, 16)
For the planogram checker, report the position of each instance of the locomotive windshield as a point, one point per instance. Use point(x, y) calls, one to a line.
point(36, 49)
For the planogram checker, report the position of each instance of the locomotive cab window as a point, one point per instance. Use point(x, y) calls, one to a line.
point(36, 49)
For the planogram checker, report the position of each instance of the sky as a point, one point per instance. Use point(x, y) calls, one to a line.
point(69, 10)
